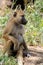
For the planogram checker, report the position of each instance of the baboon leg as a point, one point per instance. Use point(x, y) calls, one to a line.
point(6, 46)
point(20, 56)
point(15, 42)
point(11, 40)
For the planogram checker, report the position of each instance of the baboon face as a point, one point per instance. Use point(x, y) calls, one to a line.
point(19, 17)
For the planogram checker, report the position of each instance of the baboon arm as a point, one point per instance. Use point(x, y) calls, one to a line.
point(24, 45)
point(20, 56)
point(9, 37)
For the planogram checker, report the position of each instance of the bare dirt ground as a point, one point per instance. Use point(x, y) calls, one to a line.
point(36, 56)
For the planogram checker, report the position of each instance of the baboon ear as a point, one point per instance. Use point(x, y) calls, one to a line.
point(15, 13)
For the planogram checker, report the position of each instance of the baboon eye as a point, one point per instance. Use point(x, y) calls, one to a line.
point(15, 14)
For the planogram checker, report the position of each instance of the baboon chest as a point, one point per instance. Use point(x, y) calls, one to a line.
point(17, 32)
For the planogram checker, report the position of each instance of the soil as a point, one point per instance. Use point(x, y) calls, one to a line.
point(35, 56)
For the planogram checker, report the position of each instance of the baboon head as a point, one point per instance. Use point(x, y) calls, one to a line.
point(19, 16)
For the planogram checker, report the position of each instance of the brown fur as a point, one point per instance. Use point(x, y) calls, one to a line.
point(13, 34)
point(8, 29)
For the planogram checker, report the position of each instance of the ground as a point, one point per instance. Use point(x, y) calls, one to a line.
point(36, 56)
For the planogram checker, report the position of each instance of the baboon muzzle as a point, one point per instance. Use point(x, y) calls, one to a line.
point(24, 21)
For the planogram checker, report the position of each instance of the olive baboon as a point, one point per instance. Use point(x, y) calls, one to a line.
point(13, 32)
point(23, 3)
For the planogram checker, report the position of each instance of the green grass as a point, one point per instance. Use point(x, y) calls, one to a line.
point(5, 60)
